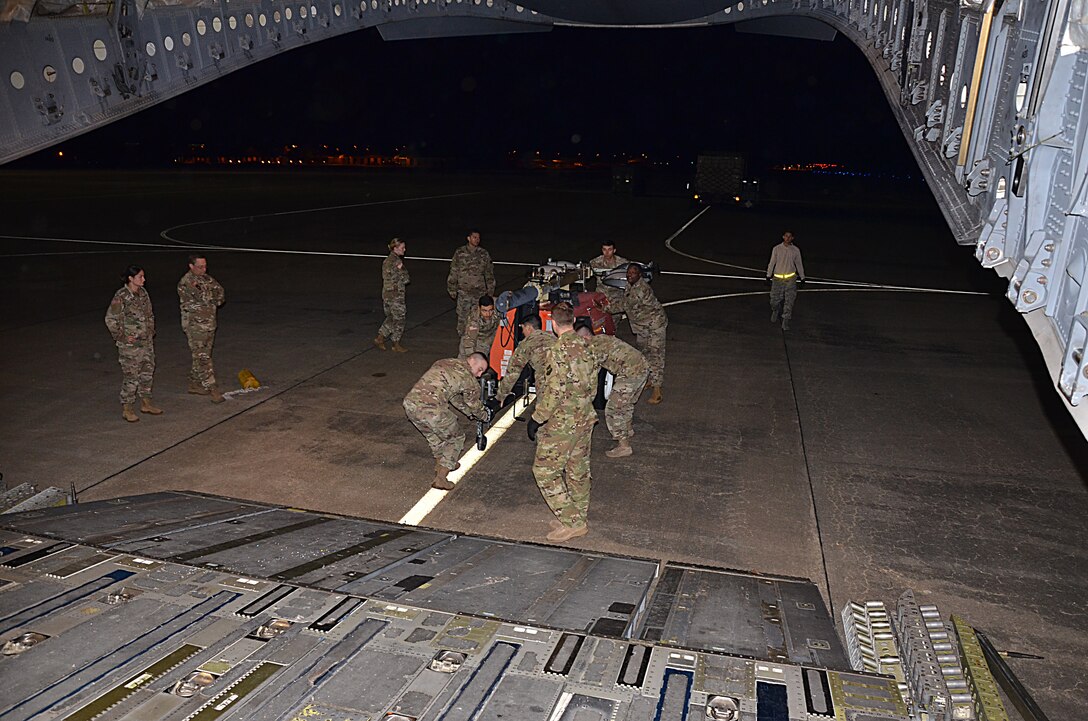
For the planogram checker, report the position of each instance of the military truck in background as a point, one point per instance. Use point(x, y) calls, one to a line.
point(720, 178)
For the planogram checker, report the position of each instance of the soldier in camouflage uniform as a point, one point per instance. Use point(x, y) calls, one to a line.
point(131, 322)
point(480, 329)
point(472, 274)
point(532, 350)
point(200, 295)
point(648, 323)
point(785, 273)
point(565, 417)
point(451, 381)
point(394, 279)
point(629, 369)
point(608, 260)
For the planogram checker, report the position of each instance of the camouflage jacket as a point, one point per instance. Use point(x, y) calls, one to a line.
point(199, 296)
point(532, 350)
point(478, 335)
point(643, 308)
point(130, 318)
point(449, 381)
point(565, 393)
point(599, 263)
point(471, 272)
point(394, 277)
point(622, 359)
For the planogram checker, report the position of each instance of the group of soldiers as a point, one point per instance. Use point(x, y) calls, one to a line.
point(131, 321)
point(566, 360)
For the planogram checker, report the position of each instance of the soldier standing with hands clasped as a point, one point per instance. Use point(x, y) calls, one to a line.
point(200, 295)
point(131, 322)
point(472, 274)
point(394, 280)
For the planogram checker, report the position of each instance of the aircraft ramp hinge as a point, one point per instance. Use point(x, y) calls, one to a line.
point(1027, 288)
point(952, 142)
point(977, 181)
point(1073, 380)
point(990, 250)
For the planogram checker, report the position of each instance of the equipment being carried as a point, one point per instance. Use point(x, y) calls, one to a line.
point(489, 386)
point(617, 277)
point(556, 281)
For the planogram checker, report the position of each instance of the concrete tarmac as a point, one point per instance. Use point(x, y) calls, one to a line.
point(890, 440)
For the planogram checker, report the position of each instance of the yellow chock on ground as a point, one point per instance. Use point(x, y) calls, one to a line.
point(248, 380)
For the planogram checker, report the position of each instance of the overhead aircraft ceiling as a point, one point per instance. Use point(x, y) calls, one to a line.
point(628, 12)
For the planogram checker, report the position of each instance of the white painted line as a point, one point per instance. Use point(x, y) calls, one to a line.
point(166, 233)
point(762, 277)
point(498, 429)
point(227, 248)
point(240, 391)
point(889, 289)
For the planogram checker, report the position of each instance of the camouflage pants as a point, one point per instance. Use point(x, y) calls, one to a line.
point(395, 311)
point(783, 292)
point(619, 414)
point(564, 448)
point(468, 302)
point(652, 345)
point(200, 345)
point(439, 426)
point(137, 370)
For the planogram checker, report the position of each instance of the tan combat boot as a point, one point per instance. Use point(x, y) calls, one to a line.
point(196, 389)
point(567, 532)
point(440, 481)
point(217, 397)
point(398, 347)
point(379, 340)
point(147, 407)
point(656, 397)
point(129, 413)
point(622, 449)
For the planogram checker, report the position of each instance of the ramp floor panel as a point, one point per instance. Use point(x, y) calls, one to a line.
point(451, 627)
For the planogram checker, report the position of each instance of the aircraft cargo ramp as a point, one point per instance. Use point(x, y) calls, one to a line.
point(185, 606)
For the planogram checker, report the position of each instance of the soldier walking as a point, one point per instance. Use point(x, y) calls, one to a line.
point(562, 423)
point(648, 323)
point(450, 381)
point(131, 322)
point(394, 280)
point(200, 295)
point(532, 350)
point(785, 273)
point(480, 329)
point(629, 369)
point(472, 274)
point(606, 261)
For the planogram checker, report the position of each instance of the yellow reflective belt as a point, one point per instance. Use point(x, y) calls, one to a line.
point(784, 276)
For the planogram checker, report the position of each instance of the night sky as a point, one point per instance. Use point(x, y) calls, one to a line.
point(666, 93)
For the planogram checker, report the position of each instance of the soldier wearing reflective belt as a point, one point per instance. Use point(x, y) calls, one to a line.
point(785, 273)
